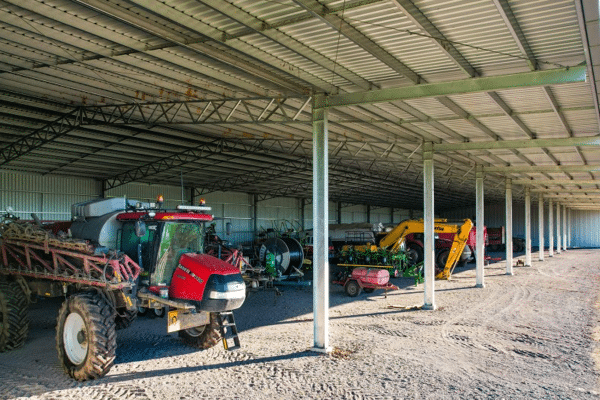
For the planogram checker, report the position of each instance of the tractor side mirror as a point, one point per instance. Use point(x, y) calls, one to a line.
point(140, 228)
point(228, 228)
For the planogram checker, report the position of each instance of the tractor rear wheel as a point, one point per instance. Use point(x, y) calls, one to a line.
point(441, 260)
point(203, 337)
point(86, 340)
point(14, 321)
point(414, 253)
point(352, 288)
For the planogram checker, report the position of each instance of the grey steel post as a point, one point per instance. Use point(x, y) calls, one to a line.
point(569, 223)
point(541, 225)
point(508, 231)
point(550, 228)
point(428, 221)
point(479, 239)
point(564, 227)
point(320, 229)
point(558, 246)
point(527, 226)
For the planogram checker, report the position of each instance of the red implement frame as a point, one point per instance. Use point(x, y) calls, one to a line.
point(47, 262)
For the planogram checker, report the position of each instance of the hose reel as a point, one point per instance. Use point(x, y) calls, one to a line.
point(285, 254)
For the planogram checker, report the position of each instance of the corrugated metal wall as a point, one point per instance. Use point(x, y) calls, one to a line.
point(585, 228)
point(50, 197)
point(585, 225)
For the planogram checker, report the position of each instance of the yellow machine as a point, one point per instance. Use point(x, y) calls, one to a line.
point(390, 245)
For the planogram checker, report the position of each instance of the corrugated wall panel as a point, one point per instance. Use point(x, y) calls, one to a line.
point(585, 225)
point(50, 197)
point(144, 192)
point(234, 208)
point(585, 228)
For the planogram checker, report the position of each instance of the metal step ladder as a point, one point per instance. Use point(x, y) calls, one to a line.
point(228, 330)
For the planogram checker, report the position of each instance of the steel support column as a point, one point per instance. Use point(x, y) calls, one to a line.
point(569, 223)
point(527, 226)
point(428, 220)
point(550, 228)
point(479, 238)
point(509, 226)
point(255, 214)
point(302, 211)
point(541, 225)
point(564, 227)
point(558, 246)
point(320, 230)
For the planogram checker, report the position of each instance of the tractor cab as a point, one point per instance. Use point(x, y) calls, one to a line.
point(157, 240)
point(169, 246)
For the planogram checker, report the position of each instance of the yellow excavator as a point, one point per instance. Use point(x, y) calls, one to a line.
point(386, 253)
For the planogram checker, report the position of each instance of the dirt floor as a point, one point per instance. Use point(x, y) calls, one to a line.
point(533, 335)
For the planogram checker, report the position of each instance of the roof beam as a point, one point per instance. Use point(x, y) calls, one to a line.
point(420, 20)
point(321, 12)
point(568, 191)
point(539, 182)
point(515, 30)
point(518, 144)
point(542, 168)
point(557, 76)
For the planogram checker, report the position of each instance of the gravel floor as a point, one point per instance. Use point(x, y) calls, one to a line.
point(533, 335)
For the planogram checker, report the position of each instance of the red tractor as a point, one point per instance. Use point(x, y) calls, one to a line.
point(116, 256)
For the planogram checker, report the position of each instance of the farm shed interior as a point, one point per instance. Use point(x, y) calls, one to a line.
point(386, 102)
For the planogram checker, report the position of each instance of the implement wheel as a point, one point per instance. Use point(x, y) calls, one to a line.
point(14, 321)
point(203, 337)
point(352, 288)
point(85, 336)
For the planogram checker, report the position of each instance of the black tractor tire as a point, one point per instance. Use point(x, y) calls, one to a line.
point(86, 338)
point(125, 318)
point(203, 337)
point(415, 253)
point(158, 312)
point(440, 260)
point(352, 288)
point(142, 311)
point(14, 319)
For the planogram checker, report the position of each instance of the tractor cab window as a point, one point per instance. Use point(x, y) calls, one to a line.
point(176, 239)
point(130, 243)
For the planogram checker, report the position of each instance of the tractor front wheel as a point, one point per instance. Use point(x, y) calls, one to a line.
point(14, 321)
point(85, 336)
point(203, 337)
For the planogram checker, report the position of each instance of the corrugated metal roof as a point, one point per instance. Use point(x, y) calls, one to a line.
point(192, 66)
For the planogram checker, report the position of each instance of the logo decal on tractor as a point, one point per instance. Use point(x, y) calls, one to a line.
point(193, 275)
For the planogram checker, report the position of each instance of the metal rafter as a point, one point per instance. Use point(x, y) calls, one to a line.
point(216, 111)
point(338, 24)
point(424, 24)
point(556, 76)
point(41, 136)
point(519, 38)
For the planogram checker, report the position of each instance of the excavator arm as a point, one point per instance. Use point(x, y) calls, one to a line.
point(458, 245)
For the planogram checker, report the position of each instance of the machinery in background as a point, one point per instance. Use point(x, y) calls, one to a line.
point(275, 259)
point(497, 240)
point(392, 252)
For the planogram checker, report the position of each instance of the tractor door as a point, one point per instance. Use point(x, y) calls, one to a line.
point(140, 249)
point(176, 238)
